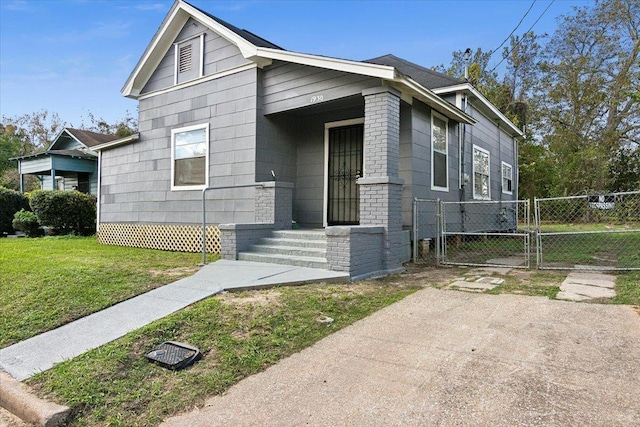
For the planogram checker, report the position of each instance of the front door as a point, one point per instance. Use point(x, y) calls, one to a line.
point(344, 168)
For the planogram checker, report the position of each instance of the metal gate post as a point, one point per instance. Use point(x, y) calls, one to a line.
point(439, 234)
point(415, 230)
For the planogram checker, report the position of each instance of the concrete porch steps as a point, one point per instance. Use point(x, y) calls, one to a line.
point(301, 248)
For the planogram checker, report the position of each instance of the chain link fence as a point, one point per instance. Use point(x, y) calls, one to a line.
point(426, 231)
point(589, 232)
point(486, 233)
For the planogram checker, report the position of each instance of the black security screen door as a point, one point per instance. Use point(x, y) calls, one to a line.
point(345, 167)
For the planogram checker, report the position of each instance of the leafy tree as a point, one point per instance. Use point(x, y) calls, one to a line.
point(479, 74)
point(38, 129)
point(123, 127)
point(589, 102)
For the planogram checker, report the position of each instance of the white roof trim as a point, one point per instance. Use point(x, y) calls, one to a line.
point(354, 67)
point(475, 92)
point(165, 37)
point(117, 142)
point(433, 100)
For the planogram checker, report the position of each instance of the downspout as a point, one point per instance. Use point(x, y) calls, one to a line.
point(463, 149)
point(99, 192)
point(499, 159)
point(21, 176)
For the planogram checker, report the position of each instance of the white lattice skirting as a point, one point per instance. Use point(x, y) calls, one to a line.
point(181, 238)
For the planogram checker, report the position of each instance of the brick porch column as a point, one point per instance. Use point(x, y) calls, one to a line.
point(381, 187)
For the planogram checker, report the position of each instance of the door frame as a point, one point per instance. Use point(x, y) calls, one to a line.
point(327, 127)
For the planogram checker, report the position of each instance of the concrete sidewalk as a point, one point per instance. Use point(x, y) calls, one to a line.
point(451, 358)
point(26, 358)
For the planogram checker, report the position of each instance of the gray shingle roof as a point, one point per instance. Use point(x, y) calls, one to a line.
point(426, 77)
point(89, 138)
point(247, 35)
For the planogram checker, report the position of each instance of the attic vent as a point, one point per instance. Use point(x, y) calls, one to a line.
point(184, 64)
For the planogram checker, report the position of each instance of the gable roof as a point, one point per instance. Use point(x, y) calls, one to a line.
point(89, 138)
point(85, 137)
point(263, 52)
point(245, 34)
point(428, 78)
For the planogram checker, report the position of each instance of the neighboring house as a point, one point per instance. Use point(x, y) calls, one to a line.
point(68, 164)
point(342, 147)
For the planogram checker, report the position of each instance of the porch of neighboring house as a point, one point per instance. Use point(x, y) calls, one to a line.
point(60, 171)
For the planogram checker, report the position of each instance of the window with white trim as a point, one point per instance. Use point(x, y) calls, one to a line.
point(189, 56)
point(190, 157)
point(439, 153)
point(507, 178)
point(481, 174)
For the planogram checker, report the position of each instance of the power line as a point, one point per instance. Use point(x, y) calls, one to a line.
point(520, 41)
point(514, 30)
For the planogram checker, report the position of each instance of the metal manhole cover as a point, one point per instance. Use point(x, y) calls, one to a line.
point(174, 355)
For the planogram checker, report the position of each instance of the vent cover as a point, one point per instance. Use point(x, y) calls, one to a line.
point(185, 54)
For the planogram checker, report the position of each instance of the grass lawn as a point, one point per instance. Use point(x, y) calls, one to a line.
point(239, 333)
point(50, 281)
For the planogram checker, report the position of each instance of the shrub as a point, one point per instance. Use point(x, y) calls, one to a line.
point(65, 211)
point(11, 201)
point(27, 222)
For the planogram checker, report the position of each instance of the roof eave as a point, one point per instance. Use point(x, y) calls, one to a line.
point(116, 143)
point(468, 87)
point(432, 99)
point(354, 67)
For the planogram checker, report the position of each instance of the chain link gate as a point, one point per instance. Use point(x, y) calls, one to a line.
point(486, 233)
point(589, 232)
point(426, 231)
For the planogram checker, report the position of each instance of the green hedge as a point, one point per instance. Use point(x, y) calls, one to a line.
point(11, 201)
point(27, 222)
point(65, 212)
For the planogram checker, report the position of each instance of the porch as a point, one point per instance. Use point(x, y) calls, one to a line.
point(341, 158)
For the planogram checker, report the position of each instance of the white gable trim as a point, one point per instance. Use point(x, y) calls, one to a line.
point(353, 67)
point(467, 87)
point(165, 37)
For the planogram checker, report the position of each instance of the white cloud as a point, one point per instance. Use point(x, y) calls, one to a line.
point(100, 30)
point(16, 6)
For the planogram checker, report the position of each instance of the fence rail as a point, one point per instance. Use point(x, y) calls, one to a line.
point(595, 232)
point(486, 233)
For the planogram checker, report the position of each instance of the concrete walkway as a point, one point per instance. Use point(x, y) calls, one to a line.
point(442, 358)
point(584, 285)
point(26, 358)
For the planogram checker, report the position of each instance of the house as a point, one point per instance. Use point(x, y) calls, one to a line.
point(339, 147)
point(68, 164)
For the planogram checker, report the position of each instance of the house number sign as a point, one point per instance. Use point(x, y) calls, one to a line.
point(317, 98)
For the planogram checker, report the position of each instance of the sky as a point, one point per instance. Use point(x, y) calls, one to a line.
point(73, 57)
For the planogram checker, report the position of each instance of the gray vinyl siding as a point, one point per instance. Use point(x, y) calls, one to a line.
point(288, 86)
point(34, 165)
point(67, 143)
point(219, 55)
point(136, 183)
point(275, 143)
point(486, 134)
point(421, 155)
point(406, 163)
point(308, 202)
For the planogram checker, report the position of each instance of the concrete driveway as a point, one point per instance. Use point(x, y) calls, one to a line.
point(449, 358)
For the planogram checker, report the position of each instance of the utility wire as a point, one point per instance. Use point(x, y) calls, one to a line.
point(520, 41)
point(514, 30)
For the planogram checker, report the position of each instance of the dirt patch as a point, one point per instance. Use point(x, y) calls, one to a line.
point(175, 272)
point(260, 298)
point(417, 275)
